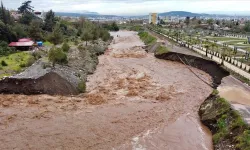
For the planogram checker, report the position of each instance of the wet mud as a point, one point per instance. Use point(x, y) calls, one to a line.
point(133, 101)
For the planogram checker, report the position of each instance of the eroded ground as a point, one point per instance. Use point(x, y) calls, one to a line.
point(134, 101)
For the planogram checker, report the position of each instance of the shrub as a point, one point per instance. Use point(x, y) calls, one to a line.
point(17, 69)
point(37, 54)
point(243, 140)
point(81, 86)
point(105, 35)
point(81, 47)
point(4, 49)
point(65, 47)
point(56, 55)
point(76, 42)
point(22, 65)
point(215, 92)
point(3, 63)
point(147, 38)
point(30, 61)
point(161, 50)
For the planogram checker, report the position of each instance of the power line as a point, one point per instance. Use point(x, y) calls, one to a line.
point(193, 71)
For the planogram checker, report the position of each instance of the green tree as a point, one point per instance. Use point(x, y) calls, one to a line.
point(65, 47)
point(56, 55)
point(214, 45)
point(218, 22)
point(96, 33)
point(20, 30)
point(35, 30)
point(223, 54)
point(104, 34)
point(49, 21)
point(87, 36)
point(247, 27)
point(6, 34)
point(114, 27)
point(207, 48)
point(56, 37)
point(187, 20)
point(210, 21)
point(26, 18)
point(199, 21)
point(3, 14)
point(26, 7)
point(4, 49)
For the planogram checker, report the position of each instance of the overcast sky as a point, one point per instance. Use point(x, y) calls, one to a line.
point(136, 7)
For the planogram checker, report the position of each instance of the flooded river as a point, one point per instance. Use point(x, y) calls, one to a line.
point(133, 101)
point(235, 91)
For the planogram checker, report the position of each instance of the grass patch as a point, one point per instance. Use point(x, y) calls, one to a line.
point(215, 92)
point(4, 75)
point(147, 38)
point(236, 42)
point(47, 43)
point(244, 140)
point(161, 50)
point(229, 125)
point(81, 87)
point(14, 63)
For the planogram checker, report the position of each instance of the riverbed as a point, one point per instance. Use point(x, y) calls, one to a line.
point(133, 101)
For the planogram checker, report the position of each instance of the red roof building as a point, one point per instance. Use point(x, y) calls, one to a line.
point(25, 42)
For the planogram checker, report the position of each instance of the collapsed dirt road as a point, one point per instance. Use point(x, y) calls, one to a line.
point(134, 101)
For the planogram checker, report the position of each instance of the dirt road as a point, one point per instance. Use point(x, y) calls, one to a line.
point(134, 101)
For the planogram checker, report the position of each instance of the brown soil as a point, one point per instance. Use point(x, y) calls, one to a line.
point(130, 100)
point(50, 83)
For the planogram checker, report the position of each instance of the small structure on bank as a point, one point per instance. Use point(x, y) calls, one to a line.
point(23, 44)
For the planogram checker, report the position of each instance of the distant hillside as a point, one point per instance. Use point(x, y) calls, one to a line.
point(182, 14)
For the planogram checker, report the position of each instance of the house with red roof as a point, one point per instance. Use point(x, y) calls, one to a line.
point(23, 44)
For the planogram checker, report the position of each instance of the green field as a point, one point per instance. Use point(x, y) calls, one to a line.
point(15, 63)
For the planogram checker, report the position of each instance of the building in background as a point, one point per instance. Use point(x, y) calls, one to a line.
point(15, 15)
point(153, 18)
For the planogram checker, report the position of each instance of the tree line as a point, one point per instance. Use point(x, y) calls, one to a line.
point(51, 28)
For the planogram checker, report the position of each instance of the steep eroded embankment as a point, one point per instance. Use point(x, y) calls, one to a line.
point(208, 66)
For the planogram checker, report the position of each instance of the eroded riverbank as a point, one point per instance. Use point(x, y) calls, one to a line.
point(134, 101)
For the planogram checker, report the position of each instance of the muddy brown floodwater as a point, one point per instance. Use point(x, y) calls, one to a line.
point(133, 101)
point(235, 91)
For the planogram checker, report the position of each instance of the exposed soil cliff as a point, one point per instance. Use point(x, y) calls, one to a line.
point(42, 78)
point(208, 66)
point(50, 83)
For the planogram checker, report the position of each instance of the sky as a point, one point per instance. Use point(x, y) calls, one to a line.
point(137, 7)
